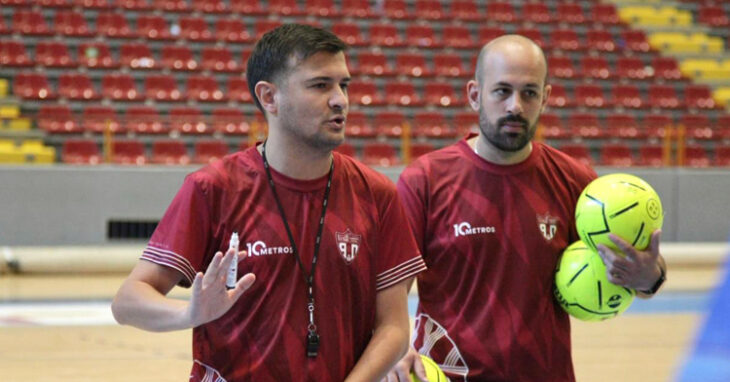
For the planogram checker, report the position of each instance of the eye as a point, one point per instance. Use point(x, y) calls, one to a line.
point(531, 93)
point(344, 86)
point(501, 92)
point(320, 85)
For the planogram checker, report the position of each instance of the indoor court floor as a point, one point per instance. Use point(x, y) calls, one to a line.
point(58, 327)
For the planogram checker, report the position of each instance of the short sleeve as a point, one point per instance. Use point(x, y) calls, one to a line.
point(184, 233)
point(412, 190)
point(398, 256)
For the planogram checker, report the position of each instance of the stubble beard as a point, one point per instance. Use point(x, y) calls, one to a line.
point(506, 142)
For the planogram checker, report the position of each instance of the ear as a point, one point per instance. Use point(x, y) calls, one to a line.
point(473, 94)
point(266, 92)
point(545, 96)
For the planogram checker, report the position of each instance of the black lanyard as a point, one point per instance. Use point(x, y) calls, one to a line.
point(312, 336)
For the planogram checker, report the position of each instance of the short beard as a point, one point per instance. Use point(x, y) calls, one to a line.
point(502, 141)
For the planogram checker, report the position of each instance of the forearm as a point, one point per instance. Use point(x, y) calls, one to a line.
point(140, 305)
point(663, 265)
point(388, 344)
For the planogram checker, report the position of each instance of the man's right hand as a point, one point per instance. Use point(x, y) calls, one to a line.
point(401, 372)
point(210, 298)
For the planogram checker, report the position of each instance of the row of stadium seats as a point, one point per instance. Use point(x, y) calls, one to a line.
point(432, 10)
point(176, 152)
point(232, 121)
point(201, 88)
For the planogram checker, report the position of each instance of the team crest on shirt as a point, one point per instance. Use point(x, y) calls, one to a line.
point(548, 226)
point(349, 244)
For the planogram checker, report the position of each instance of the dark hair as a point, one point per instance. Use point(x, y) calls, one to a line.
point(270, 56)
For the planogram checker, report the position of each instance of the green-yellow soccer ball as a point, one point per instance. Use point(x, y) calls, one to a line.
point(582, 289)
point(622, 204)
point(433, 371)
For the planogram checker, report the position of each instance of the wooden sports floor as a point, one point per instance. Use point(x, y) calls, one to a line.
point(43, 339)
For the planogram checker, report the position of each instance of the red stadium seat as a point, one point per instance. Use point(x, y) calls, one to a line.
point(33, 86)
point(373, 64)
point(699, 97)
point(616, 155)
point(346, 149)
point(145, 120)
point(586, 125)
point(153, 27)
point(390, 124)
point(442, 94)
point(635, 40)
point(713, 15)
point(432, 125)
point(466, 10)
point(379, 154)
point(207, 151)
point(162, 87)
point(357, 9)
point(321, 8)
point(55, 3)
point(248, 7)
point(238, 90)
point(262, 26)
point(667, 68)
point(696, 156)
point(551, 127)
point(651, 156)
point(189, 120)
point(657, 126)
point(422, 36)
point(624, 126)
point(232, 30)
point(596, 68)
point(230, 121)
point(626, 96)
point(77, 87)
point(536, 13)
point(600, 40)
point(97, 119)
point(169, 152)
point(459, 37)
point(412, 64)
point(56, 119)
point(203, 89)
point(697, 126)
point(96, 55)
point(632, 68)
point(358, 125)
point(13, 54)
point(53, 54)
point(579, 152)
point(95, 4)
point(566, 39)
point(80, 151)
point(30, 23)
point(559, 97)
point(663, 97)
point(4, 29)
point(134, 5)
point(722, 155)
point(569, 13)
point(449, 65)
point(418, 149)
point(350, 33)
point(210, 6)
point(562, 67)
point(113, 25)
point(178, 57)
point(402, 93)
point(429, 10)
point(501, 12)
point(396, 9)
point(72, 24)
point(285, 7)
point(466, 122)
point(195, 29)
point(119, 87)
point(486, 34)
point(605, 14)
point(364, 92)
point(128, 152)
point(136, 56)
point(385, 35)
point(218, 60)
point(534, 35)
point(171, 5)
point(590, 96)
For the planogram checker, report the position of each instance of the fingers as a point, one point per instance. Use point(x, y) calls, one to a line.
point(654, 243)
point(624, 246)
point(242, 285)
point(419, 369)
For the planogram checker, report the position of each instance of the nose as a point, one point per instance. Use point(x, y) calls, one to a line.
point(514, 104)
point(338, 99)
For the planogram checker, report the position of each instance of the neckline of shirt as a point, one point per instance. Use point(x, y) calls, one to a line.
point(482, 163)
point(301, 185)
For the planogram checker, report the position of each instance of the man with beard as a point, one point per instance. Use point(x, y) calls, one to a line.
point(330, 271)
point(492, 214)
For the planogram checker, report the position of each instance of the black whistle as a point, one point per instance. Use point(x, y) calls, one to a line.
point(312, 344)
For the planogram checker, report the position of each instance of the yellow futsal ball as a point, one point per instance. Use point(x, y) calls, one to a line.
point(582, 289)
point(622, 204)
point(433, 371)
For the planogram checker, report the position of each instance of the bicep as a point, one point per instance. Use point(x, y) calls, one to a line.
point(392, 304)
point(159, 277)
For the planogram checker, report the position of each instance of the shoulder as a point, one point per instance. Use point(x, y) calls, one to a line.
point(443, 160)
point(227, 172)
point(567, 166)
point(355, 170)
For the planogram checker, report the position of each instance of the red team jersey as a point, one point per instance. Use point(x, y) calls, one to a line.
point(491, 236)
point(262, 337)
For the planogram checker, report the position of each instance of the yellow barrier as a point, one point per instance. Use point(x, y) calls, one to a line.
point(655, 17)
point(722, 96)
point(707, 69)
point(3, 88)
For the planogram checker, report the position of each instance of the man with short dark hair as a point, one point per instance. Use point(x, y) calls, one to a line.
point(331, 273)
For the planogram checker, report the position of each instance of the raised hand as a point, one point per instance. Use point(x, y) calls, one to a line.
point(210, 298)
point(638, 269)
point(401, 372)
